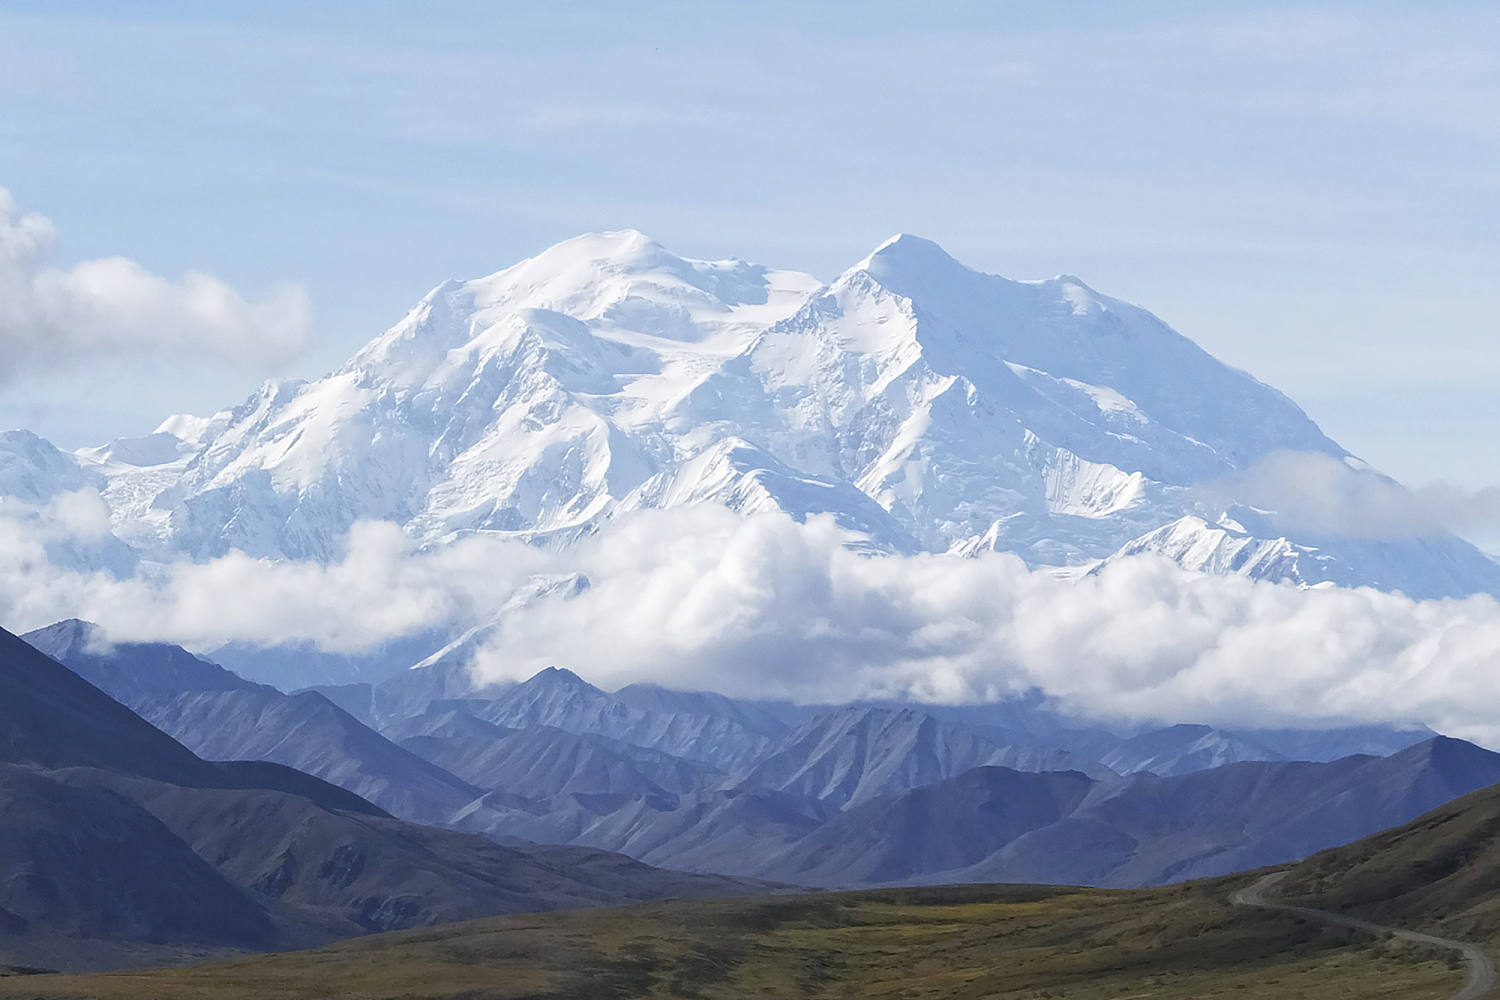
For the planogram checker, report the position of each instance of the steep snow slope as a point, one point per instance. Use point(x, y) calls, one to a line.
point(965, 403)
point(529, 401)
point(52, 498)
point(134, 471)
point(925, 405)
point(34, 471)
point(1432, 566)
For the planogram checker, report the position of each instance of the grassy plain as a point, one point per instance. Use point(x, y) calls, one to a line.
point(944, 943)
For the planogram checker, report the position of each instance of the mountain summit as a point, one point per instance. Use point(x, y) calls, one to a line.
point(925, 405)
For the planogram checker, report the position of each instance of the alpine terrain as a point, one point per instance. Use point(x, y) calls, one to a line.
point(119, 846)
point(924, 405)
point(837, 795)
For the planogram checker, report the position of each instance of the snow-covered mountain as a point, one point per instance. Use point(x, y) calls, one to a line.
point(926, 406)
point(45, 492)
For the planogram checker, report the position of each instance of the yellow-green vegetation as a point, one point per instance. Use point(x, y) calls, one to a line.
point(18, 970)
point(1009, 943)
point(1440, 872)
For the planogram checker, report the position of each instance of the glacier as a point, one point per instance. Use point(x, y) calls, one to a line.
point(926, 406)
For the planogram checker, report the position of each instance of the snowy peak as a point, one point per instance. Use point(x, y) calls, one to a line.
point(1074, 335)
point(33, 470)
point(917, 267)
point(925, 405)
point(619, 275)
point(621, 285)
point(904, 258)
point(1428, 567)
point(143, 452)
point(191, 429)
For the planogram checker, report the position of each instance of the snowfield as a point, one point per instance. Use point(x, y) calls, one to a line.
point(926, 406)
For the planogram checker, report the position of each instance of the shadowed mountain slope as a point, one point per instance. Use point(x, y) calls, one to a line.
point(221, 716)
point(1440, 872)
point(1140, 830)
point(122, 846)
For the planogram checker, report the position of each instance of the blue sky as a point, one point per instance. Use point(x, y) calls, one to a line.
point(1309, 192)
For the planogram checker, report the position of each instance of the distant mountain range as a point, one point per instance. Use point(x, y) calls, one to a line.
point(926, 406)
point(157, 804)
point(995, 825)
point(848, 795)
point(862, 795)
point(221, 716)
point(1435, 875)
point(120, 846)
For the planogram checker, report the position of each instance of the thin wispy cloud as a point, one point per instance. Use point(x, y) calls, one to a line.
point(1311, 494)
point(1317, 494)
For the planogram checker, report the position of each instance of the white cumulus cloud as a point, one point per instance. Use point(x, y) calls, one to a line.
point(112, 307)
point(764, 607)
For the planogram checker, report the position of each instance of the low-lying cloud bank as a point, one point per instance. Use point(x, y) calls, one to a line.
point(764, 607)
point(114, 307)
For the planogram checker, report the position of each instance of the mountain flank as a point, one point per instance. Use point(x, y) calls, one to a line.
point(121, 846)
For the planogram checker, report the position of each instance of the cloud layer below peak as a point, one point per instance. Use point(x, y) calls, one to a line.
point(764, 607)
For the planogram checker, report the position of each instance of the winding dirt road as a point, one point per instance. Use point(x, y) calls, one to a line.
point(1481, 970)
